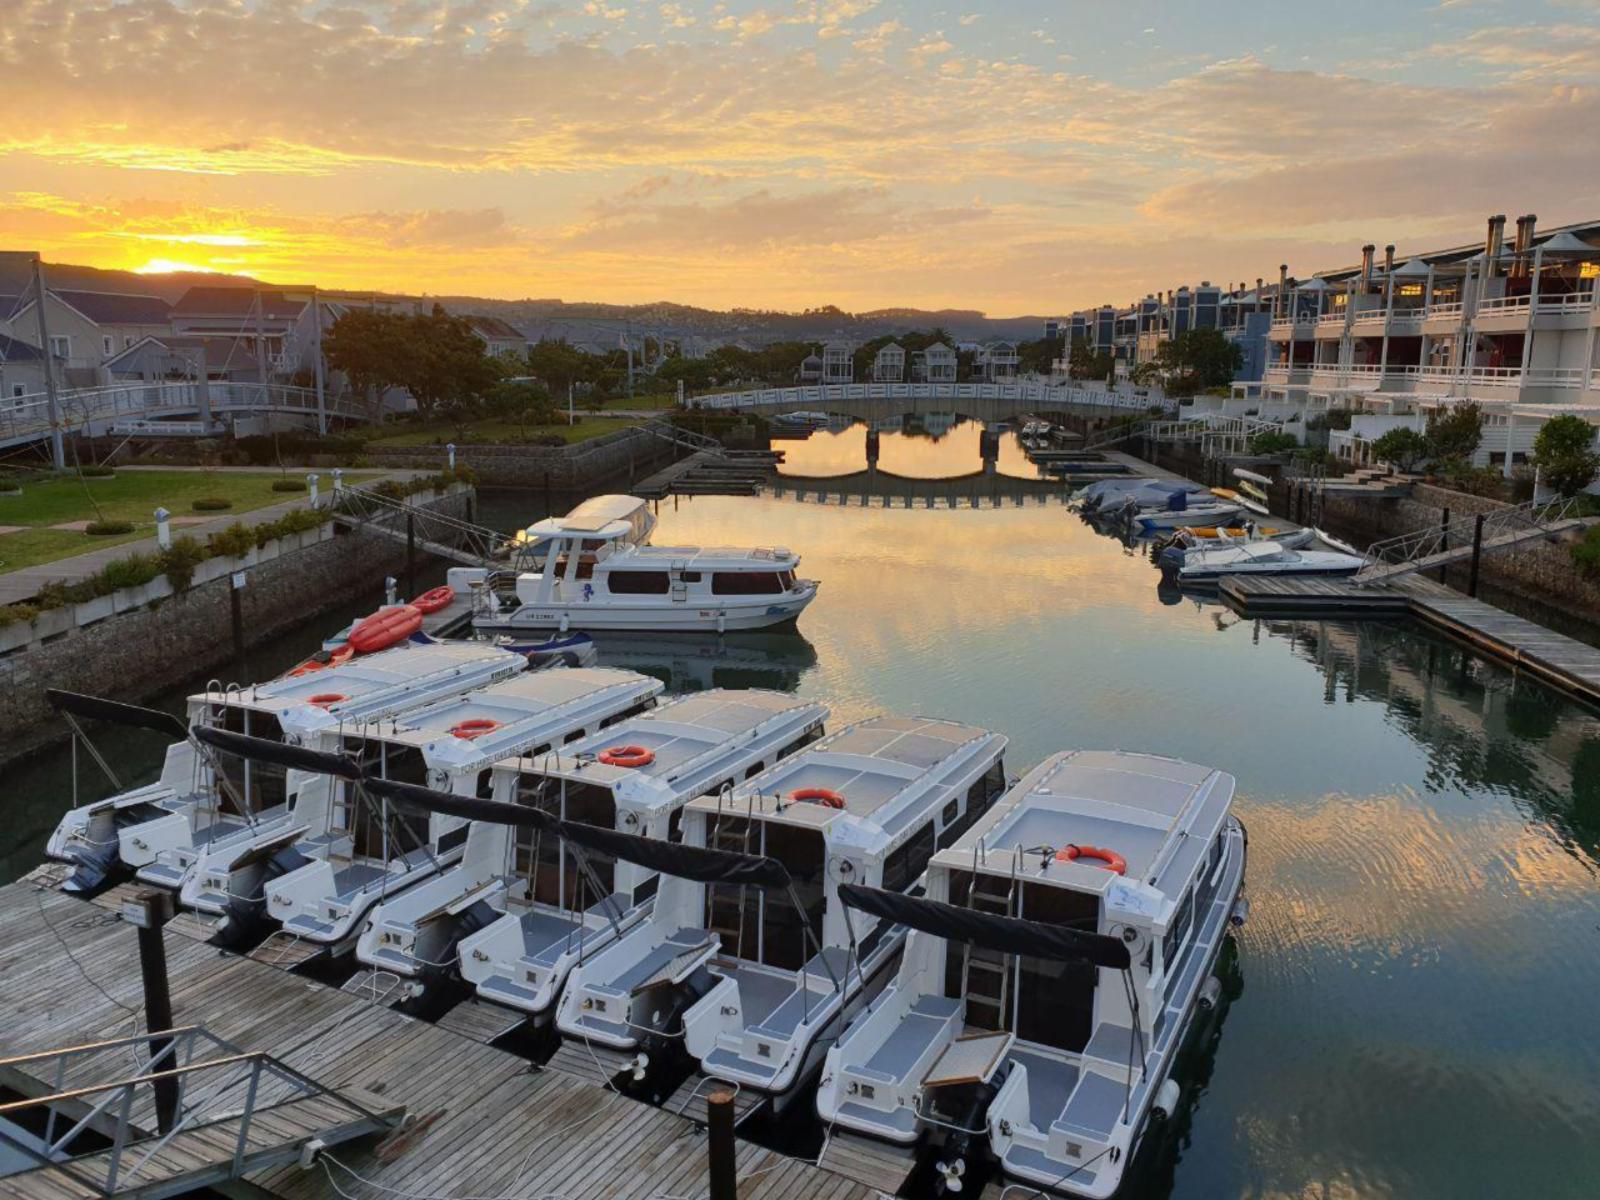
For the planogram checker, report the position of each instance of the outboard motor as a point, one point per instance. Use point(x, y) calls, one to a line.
point(1178, 501)
point(245, 920)
point(1170, 561)
point(960, 1111)
point(438, 987)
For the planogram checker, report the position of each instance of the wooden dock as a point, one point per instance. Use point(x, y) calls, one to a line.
point(481, 1121)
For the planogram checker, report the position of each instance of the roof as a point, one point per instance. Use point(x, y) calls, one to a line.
point(938, 348)
point(115, 308)
point(11, 350)
point(235, 302)
point(600, 517)
point(891, 348)
point(703, 557)
point(495, 328)
point(1160, 814)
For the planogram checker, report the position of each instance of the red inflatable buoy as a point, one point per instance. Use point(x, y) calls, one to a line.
point(474, 727)
point(627, 756)
point(384, 628)
point(435, 600)
point(1110, 859)
point(826, 797)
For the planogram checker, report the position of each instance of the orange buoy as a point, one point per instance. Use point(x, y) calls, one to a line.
point(384, 628)
point(333, 659)
point(826, 797)
point(474, 728)
point(327, 699)
point(627, 756)
point(432, 601)
point(1110, 859)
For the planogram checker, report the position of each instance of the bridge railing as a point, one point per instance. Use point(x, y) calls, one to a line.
point(1038, 392)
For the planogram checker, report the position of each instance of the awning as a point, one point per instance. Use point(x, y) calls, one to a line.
point(1010, 935)
point(99, 709)
point(491, 812)
point(673, 858)
point(264, 750)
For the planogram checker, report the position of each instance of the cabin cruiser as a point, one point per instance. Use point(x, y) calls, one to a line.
point(448, 741)
point(526, 545)
point(539, 909)
point(748, 963)
point(161, 829)
point(598, 578)
point(1060, 954)
point(1255, 558)
point(359, 851)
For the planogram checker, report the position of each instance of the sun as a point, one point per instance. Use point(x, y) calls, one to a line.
point(169, 266)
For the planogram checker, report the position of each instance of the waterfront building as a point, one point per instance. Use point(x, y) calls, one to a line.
point(838, 363)
point(996, 362)
point(935, 364)
point(498, 337)
point(811, 369)
point(87, 329)
point(21, 367)
point(889, 364)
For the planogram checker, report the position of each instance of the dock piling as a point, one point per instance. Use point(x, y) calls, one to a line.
point(149, 912)
point(721, 1150)
point(411, 555)
point(1477, 553)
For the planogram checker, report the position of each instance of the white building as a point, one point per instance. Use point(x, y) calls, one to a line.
point(889, 364)
point(996, 361)
point(838, 363)
point(936, 364)
point(811, 369)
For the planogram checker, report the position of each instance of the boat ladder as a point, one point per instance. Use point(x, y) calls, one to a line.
point(727, 909)
point(986, 974)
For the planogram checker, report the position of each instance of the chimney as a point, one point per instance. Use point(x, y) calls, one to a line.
point(1388, 260)
point(1522, 245)
point(1281, 304)
point(1493, 241)
point(1260, 285)
point(1367, 252)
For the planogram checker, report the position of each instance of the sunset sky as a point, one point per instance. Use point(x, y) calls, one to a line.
point(1013, 156)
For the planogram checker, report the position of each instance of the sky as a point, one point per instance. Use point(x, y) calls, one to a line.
point(1013, 156)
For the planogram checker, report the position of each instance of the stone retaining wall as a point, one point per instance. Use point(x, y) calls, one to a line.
point(145, 643)
point(623, 454)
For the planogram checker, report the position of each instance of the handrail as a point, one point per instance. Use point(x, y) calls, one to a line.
point(112, 1044)
point(1405, 552)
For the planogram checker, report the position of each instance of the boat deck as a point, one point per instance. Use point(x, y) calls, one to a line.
point(488, 1123)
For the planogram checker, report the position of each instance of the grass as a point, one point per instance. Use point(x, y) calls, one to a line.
point(128, 496)
point(488, 433)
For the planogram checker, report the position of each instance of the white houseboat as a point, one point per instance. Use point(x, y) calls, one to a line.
point(160, 830)
point(457, 738)
point(748, 961)
point(1061, 951)
point(540, 911)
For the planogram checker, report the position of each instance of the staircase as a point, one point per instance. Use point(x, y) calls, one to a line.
point(1441, 545)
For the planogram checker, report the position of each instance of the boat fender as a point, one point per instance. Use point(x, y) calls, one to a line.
point(327, 699)
point(826, 797)
point(476, 727)
point(627, 756)
point(1167, 1098)
point(1210, 993)
point(1110, 859)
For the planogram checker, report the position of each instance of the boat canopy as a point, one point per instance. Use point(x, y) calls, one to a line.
point(98, 708)
point(1012, 935)
point(278, 753)
point(602, 517)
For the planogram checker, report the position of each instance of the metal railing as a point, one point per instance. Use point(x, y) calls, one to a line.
point(175, 1066)
point(1396, 556)
point(462, 540)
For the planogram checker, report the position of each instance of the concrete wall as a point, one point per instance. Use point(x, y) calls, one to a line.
point(138, 652)
point(626, 453)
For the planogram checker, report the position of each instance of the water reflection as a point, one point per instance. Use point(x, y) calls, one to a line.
point(696, 662)
point(915, 446)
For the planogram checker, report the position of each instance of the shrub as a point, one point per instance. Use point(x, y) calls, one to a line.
point(10, 614)
point(179, 560)
point(108, 528)
point(1586, 553)
point(1475, 481)
point(1453, 434)
point(1405, 448)
point(10, 483)
point(97, 472)
point(211, 504)
point(297, 521)
point(235, 541)
point(288, 485)
point(134, 571)
point(1273, 443)
point(1521, 484)
point(1563, 450)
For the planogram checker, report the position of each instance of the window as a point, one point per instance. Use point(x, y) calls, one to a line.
point(127, 340)
point(746, 583)
point(753, 770)
point(689, 576)
point(637, 583)
point(903, 866)
point(800, 743)
point(108, 344)
point(1177, 938)
point(60, 345)
point(765, 923)
point(555, 881)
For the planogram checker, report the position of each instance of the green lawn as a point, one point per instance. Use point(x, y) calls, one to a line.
point(488, 433)
point(127, 496)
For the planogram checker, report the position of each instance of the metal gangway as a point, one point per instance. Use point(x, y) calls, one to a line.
point(687, 438)
point(431, 531)
point(1459, 541)
point(198, 1112)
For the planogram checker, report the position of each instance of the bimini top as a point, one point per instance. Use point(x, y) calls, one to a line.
point(1160, 814)
point(688, 741)
point(887, 771)
point(602, 517)
point(524, 712)
point(370, 687)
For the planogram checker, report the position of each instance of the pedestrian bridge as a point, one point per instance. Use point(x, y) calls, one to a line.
point(980, 401)
point(134, 409)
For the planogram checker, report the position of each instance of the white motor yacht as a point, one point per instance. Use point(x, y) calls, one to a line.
point(1256, 558)
point(540, 914)
point(456, 737)
point(161, 829)
point(748, 963)
point(1060, 954)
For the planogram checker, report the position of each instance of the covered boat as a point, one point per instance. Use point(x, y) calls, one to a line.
point(1255, 558)
point(543, 910)
point(1060, 953)
point(749, 964)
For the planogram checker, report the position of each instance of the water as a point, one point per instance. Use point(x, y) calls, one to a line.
point(1416, 986)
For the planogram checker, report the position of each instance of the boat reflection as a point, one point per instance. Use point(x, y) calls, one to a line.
point(694, 662)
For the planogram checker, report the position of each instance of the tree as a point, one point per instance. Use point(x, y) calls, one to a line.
point(1085, 362)
point(560, 366)
point(437, 358)
point(370, 348)
point(1198, 359)
point(522, 402)
point(1403, 447)
point(1564, 452)
point(1036, 358)
point(1453, 434)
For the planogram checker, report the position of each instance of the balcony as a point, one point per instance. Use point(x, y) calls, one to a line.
point(1500, 305)
point(1330, 318)
point(1450, 308)
point(1369, 316)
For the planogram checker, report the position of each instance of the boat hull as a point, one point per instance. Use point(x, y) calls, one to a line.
point(763, 612)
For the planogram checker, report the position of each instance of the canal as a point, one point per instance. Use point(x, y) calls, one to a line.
point(1413, 998)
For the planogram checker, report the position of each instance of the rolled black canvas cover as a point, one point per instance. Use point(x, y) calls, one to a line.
point(493, 812)
point(265, 750)
point(1012, 935)
point(99, 709)
point(672, 858)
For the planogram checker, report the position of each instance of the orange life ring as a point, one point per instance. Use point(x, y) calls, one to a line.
point(327, 699)
point(335, 657)
point(1111, 860)
point(627, 756)
point(434, 600)
point(474, 727)
point(826, 797)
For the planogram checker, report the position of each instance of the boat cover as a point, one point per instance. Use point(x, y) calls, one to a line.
point(1011, 935)
point(266, 750)
point(99, 709)
point(685, 862)
point(491, 812)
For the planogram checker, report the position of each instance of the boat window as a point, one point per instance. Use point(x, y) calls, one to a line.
point(951, 811)
point(800, 743)
point(745, 583)
point(256, 785)
point(764, 923)
point(637, 583)
point(556, 881)
point(1177, 938)
point(985, 790)
point(689, 576)
point(903, 866)
point(486, 784)
point(786, 578)
point(753, 770)
point(576, 735)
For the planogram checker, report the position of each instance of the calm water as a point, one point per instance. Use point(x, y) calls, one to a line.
point(1417, 985)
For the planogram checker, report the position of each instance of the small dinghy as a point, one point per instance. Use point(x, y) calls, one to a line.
point(1182, 515)
point(1255, 558)
point(1054, 965)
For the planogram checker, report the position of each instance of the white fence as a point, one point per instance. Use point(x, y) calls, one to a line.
point(1035, 392)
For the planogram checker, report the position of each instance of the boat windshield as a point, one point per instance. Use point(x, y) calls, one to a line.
point(760, 925)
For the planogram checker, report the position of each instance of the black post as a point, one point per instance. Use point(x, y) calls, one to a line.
point(149, 912)
point(719, 1125)
point(236, 602)
point(411, 554)
point(1444, 539)
point(1477, 553)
